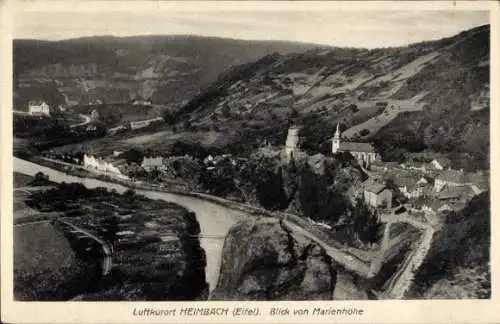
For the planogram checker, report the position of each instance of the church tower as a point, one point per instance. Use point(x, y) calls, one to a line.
point(336, 140)
point(292, 140)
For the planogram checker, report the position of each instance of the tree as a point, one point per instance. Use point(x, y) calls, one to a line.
point(353, 107)
point(132, 156)
point(40, 179)
point(364, 132)
point(315, 199)
point(110, 229)
point(220, 180)
point(169, 117)
point(366, 223)
point(187, 125)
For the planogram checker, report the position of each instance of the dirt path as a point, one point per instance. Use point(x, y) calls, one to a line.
point(86, 120)
point(402, 280)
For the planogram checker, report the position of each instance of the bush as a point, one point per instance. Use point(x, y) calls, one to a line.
point(364, 132)
point(353, 107)
point(40, 179)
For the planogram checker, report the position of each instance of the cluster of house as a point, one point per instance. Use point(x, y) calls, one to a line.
point(41, 108)
point(108, 166)
point(211, 162)
point(139, 101)
point(430, 188)
point(153, 162)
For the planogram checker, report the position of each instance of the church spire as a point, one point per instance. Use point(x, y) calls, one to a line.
point(336, 139)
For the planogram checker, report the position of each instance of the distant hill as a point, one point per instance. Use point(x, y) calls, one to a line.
point(426, 96)
point(168, 69)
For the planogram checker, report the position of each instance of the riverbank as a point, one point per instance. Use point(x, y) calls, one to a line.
point(213, 214)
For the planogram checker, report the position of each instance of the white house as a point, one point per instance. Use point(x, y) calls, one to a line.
point(38, 108)
point(150, 163)
point(441, 163)
point(103, 166)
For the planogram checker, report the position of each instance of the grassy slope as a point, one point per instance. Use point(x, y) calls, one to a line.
point(45, 266)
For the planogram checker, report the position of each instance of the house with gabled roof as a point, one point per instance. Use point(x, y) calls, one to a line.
point(456, 193)
point(450, 178)
point(152, 162)
point(376, 194)
point(38, 108)
point(410, 184)
point(441, 163)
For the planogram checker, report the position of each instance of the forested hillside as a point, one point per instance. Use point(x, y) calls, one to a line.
point(426, 96)
point(167, 69)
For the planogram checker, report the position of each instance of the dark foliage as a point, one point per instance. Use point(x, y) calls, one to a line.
point(364, 223)
point(320, 201)
point(473, 251)
point(132, 156)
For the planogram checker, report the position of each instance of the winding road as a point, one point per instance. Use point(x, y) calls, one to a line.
point(86, 120)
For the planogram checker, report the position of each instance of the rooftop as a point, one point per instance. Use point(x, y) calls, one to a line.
point(452, 176)
point(357, 147)
point(456, 192)
point(373, 186)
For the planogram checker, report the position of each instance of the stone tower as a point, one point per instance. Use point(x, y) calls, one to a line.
point(292, 140)
point(336, 140)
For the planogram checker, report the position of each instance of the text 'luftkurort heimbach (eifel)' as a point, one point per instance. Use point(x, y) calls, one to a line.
point(245, 311)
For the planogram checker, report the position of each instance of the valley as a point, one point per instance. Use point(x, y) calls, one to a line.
point(359, 165)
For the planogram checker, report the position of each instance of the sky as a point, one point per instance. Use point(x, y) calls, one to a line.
point(368, 29)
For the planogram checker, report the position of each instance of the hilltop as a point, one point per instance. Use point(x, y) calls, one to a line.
point(426, 96)
point(167, 69)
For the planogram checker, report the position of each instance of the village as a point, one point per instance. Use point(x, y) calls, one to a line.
point(422, 190)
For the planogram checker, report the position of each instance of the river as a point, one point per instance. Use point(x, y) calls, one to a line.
point(214, 219)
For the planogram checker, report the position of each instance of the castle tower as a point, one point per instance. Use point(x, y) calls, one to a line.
point(336, 140)
point(292, 140)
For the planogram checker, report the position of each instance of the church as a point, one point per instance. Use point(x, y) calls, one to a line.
point(365, 153)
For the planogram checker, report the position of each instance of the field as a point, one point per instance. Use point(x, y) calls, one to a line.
point(21, 180)
point(23, 186)
point(394, 107)
point(159, 140)
point(45, 265)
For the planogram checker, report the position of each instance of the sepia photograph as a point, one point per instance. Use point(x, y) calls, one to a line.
point(250, 155)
